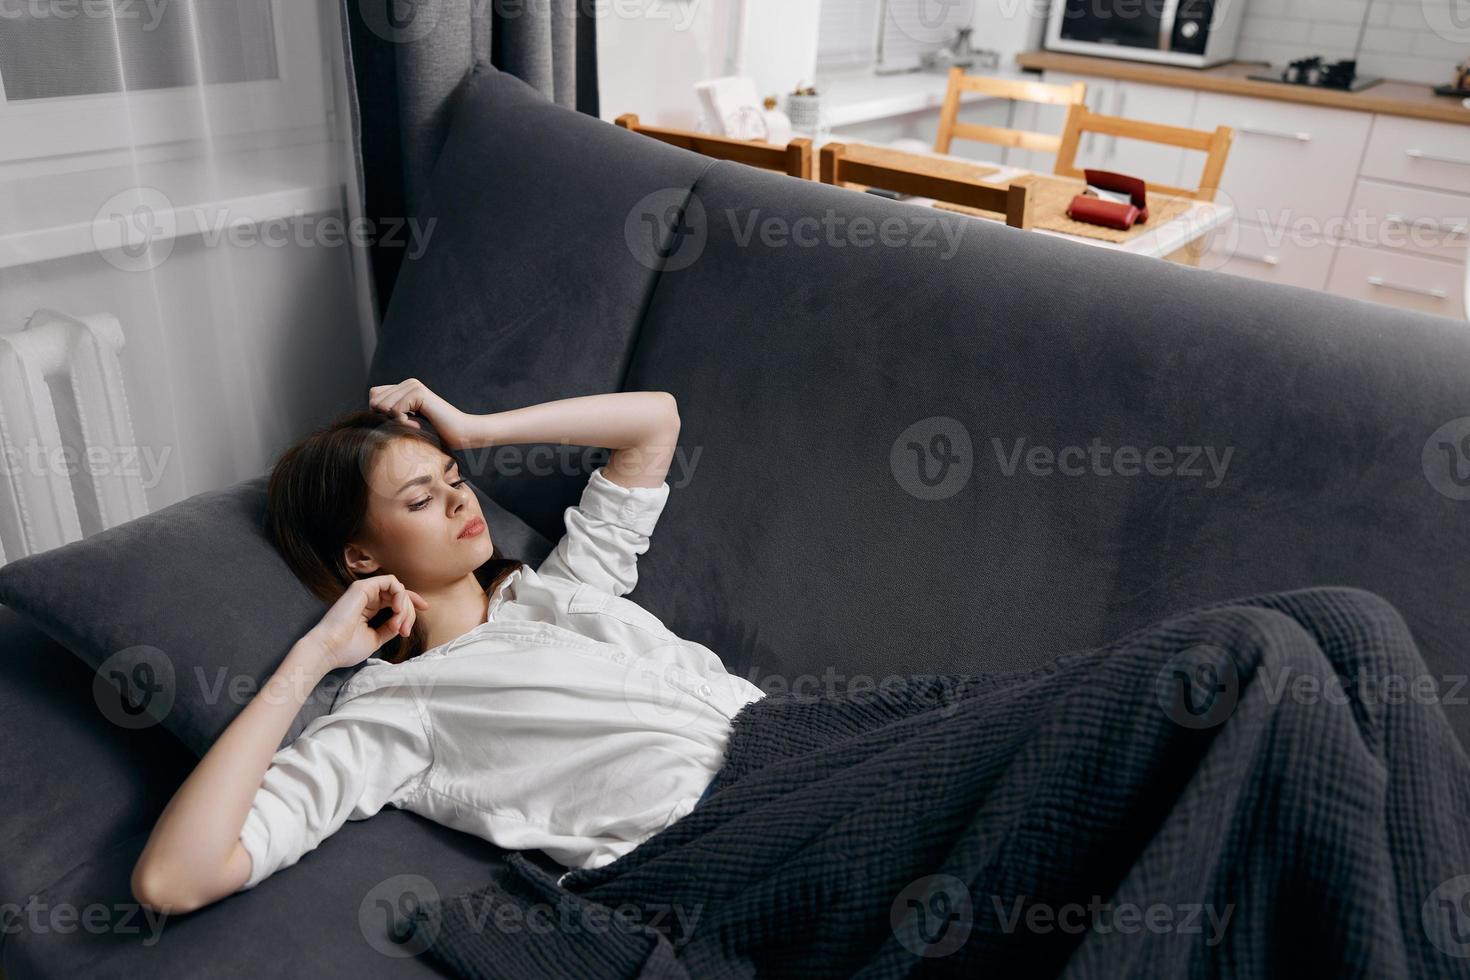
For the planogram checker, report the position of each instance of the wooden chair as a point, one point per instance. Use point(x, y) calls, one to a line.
point(1215, 145)
point(950, 128)
point(793, 159)
point(838, 168)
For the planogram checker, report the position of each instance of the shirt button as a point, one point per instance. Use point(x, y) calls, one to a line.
point(704, 690)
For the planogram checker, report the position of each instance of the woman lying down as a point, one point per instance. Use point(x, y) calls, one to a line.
point(1178, 802)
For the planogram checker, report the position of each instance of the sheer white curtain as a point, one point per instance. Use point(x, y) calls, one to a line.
point(184, 167)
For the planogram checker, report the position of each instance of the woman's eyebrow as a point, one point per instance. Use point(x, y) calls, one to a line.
point(425, 478)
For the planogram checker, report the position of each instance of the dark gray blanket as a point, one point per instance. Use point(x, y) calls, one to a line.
point(1265, 786)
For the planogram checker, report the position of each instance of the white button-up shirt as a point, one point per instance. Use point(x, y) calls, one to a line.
point(572, 720)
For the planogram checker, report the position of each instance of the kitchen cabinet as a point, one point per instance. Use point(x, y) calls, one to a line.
point(1413, 151)
point(1416, 219)
point(1290, 178)
point(1369, 204)
point(1288, 161)
point(1398, 278)
point(1260, 252)
point(1410, 218)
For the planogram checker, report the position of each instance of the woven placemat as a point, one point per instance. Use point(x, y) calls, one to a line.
point(938, 166)
point(1052, 195)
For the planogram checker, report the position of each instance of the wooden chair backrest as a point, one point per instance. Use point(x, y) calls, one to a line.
point(837, 168)
point(793, 159)
point(1215, 145)
point(950, 128)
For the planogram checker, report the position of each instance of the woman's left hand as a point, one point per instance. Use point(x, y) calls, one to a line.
point(413, 395)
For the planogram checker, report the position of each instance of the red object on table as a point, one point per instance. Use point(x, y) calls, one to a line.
point(1096, 210)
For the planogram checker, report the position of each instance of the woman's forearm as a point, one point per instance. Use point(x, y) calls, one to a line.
point(616, 420)
point(186, 862)
point(642, 428)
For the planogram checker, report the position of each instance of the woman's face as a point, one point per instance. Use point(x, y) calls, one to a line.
point(418, 507)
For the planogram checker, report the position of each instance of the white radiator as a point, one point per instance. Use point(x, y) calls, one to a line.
point(70, 464)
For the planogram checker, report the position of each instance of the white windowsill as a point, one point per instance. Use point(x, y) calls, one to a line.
point(56, 215)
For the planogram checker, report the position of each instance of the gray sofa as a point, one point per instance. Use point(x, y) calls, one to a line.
point(896, 460)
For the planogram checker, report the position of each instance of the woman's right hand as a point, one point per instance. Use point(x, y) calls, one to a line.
point(344, 637)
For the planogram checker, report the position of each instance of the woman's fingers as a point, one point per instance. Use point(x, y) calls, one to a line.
point(404, 603)
point(386, 591)
point(395, 620)
point(397, 400)
point(406, 618)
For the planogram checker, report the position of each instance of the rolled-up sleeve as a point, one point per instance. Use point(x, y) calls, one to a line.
point(606, 533)
point(371, 752)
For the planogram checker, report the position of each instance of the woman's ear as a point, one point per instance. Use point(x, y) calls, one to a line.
point(358, 561)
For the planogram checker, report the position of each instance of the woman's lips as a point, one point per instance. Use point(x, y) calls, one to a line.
point(474, 528)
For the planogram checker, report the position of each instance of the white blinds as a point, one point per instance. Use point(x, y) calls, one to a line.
point(845, 32)
point(848, 29)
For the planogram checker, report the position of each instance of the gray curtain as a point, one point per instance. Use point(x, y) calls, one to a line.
point(408, 58)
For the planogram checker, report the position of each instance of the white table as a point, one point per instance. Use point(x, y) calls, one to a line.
point(1200, 220)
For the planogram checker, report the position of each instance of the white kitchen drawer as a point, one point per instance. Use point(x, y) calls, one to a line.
point(1417, 151)
point(1412, 218)
point(1397, 278)
point(1288, 160)
point(1263, 253)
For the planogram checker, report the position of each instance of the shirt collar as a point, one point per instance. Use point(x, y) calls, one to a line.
point(499, 596)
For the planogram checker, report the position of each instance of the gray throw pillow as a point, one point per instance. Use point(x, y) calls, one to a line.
point(186, 612)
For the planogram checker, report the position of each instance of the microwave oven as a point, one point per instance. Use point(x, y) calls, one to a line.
point(1192, 33)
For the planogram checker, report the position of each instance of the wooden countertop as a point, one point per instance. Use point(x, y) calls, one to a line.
point(1388, 97)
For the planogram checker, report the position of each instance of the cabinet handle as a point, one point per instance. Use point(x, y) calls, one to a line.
point(1266, 258)
point(1091, 134)
point(1277, 134)
point(1382, 283)
point(1421, 155)
point(1458, 228)
point(1117, 111)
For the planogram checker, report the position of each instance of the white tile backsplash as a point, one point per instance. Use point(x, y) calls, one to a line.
point(1410, 40)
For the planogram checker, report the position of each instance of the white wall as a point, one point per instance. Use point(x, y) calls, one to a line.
point(1410, 40)
point(649, 55)
point(1009, 27)
point(777, 44)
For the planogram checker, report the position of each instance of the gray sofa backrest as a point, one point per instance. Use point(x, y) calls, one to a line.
point(527, 289)
point(802, 541)
point(1286, 429)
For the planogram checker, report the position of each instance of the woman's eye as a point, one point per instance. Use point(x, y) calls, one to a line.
point(420, 505)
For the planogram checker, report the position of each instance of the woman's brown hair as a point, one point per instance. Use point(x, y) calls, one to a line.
point(317, 500)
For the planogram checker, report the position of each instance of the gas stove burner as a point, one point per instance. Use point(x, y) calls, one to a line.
point(1340, 75)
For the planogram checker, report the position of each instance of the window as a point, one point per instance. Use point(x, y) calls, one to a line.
point(50, 51)
point(97, 76)
point(848, 30)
